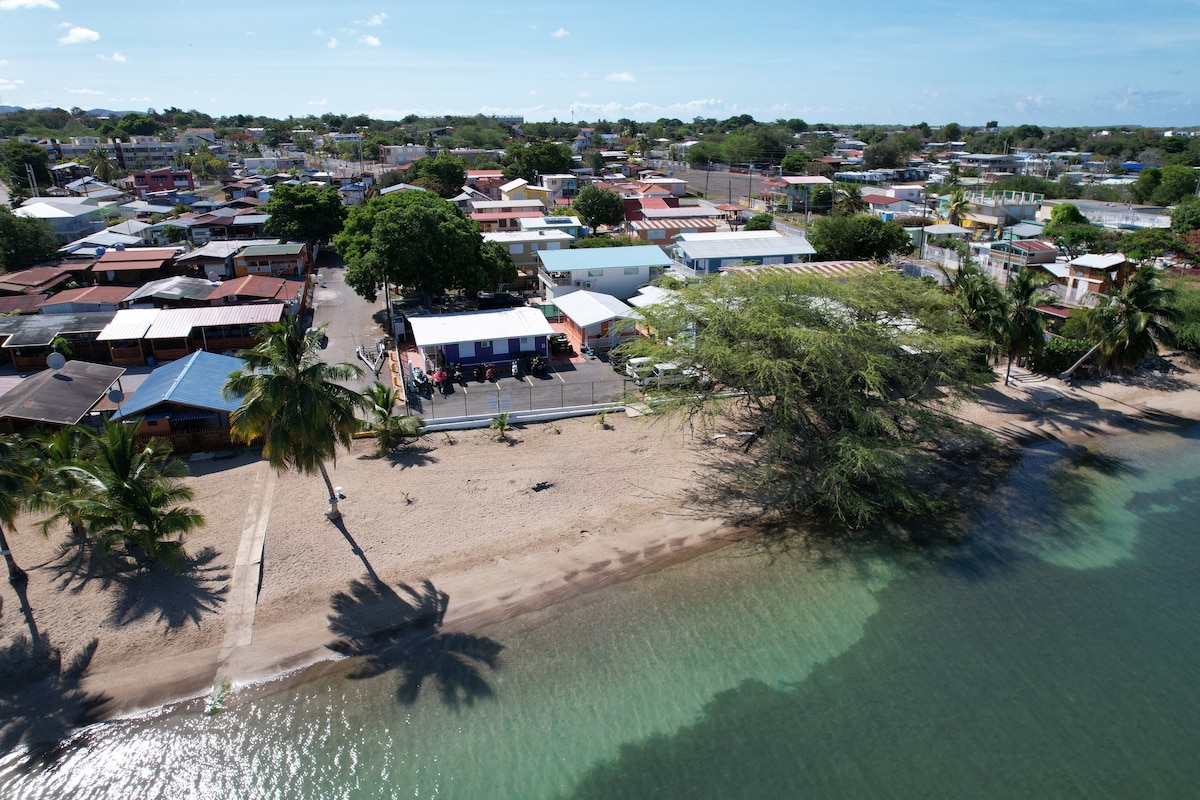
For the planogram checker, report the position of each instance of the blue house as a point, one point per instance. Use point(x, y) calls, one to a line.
point(182, 403)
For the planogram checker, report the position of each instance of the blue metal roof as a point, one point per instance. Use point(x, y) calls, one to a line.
point(649, 255)
point(193, 381)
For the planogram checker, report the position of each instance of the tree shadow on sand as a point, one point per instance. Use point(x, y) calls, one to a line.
point(41, 699)
point(174, 598)
point(401, 632)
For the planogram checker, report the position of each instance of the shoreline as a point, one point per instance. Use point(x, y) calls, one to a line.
point(470, 517)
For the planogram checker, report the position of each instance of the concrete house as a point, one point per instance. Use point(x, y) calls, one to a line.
point(616, 271)
point(595, 320)
point(271, 259)
point(706, 253)
point(480, 337)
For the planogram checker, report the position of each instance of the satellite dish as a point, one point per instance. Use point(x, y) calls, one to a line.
point(116, 395)
point(214, 276)
point(55, 361)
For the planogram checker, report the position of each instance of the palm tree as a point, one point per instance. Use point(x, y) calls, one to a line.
point(389, 427)
point(293, 401)
point(850, 200)
point(57, 488)
point(104, 166)
point(957, 206)
point(983, 304)
point(14, 486)
point(1130, 324)
point(133, 495)
point(1026, 327)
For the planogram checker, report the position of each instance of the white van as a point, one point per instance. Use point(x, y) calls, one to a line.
point(639, 368)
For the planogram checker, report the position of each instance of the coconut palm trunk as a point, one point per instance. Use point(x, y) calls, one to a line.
point(333, 512)
point(16, 575)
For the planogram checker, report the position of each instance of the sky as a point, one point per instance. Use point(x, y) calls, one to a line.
point(1043, 62)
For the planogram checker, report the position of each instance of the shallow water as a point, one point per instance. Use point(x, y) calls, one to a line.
point(1054, 654)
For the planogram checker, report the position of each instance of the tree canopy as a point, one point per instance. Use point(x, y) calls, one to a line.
point(538, 158)
point(15, 155)
point(443, 175)
point(306, 213)
point(1185, 217)
point(760, 222)
point(599, 206)
point(838, 380)
point(418, 241)
point(860, 236)
point(24, 241)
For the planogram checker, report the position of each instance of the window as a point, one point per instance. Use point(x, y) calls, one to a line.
point(466, 350)
point(595, 273)
point(516, 249)
point(632, 270)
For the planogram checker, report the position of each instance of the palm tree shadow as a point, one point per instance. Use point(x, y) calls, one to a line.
point(41, 699)
point(401, 631)
point(79, 562)
point(176, 598)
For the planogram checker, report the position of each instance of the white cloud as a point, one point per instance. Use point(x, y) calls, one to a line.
point(79, 35)
point(318, 32)
point(620, 77)
point(332, 43)
point(9, 5)
point(931, 93)
point(7, 85)
point(321, 102)
point(139, 100)
point(377, 20)
point(84, 91)
point(561, 33)
point(586, 75)
point(119, 58)
point(369, 41)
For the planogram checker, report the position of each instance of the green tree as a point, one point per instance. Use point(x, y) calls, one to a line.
point(952, 132)
point(858, 237)
point(1177, 182)
point(850, 200)
point(1146, 245)
point(1186, 216)
point(883, 155)
point(306, 213)
point(1025, 329)
point(1129, 325)
point(415, 240)
point(538, 158)
point(391, 429)
point(760, 222)
point(957, 206)
point(838, 380)
point(137, 125)
point(444, 175)
point(795, 162)
point(984, 306)
point(15, 155)
point(498, 266)
point(295, 402)
point(1147, 183)
point(103, 164)
point(599, 206)
point(132, 497)
point(24, 241)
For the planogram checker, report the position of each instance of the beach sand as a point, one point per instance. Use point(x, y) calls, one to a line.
point(499, 527)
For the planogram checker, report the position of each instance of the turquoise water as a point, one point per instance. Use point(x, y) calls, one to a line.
point(1054, 654)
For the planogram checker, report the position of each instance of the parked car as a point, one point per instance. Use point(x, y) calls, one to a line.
point(560, 343)
point(639, 368)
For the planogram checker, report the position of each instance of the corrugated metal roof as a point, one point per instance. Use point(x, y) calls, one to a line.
point(479, 326)
point(129, 323)
point(586, 308)
point(832, 269)
point(177, 287)
point(39, 330)
point(676, 224)
point(60, 397)
point(258, 250)
point(649, 255)
point(747, 248)
point(177, 323)
point(194, 381)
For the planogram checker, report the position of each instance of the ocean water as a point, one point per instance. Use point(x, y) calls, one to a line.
point(1055, 652)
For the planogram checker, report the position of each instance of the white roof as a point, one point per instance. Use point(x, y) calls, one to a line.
point(586, 308)
point(479, 326)
point(1099, 260)
point(1058, 269)
point(649, 295)
point(728, 236)
point(761, 247)
point(519, 237)
point(55, 209)
point(501, 205)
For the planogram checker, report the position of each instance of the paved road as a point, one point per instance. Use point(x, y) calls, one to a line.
point(352, 321)
point(720, 187)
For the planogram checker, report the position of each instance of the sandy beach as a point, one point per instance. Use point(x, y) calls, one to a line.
point(499, 527)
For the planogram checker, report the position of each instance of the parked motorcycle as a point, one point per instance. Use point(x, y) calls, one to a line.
point(479, 373)
point(489, 372)
point(458, 373)
point(420, 381)
point(515, 367)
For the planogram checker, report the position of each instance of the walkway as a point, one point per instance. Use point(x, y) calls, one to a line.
point(247, 576)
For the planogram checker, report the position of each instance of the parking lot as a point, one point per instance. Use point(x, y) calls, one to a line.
point(574, 380)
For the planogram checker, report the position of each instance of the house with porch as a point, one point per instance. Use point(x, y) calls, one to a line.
point(524, 246)
point(272, 259)
point(182, 402)
point(1091, 274)
point(664, 231)
point(707, 253)
point(137, 336)
point(594, 320)
point(27, 339)
point(616, 271)
point(479, 337)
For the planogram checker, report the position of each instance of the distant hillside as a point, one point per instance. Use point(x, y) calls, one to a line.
point(95, 112)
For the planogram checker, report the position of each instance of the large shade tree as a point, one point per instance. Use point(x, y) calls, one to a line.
point(418, 241)
point(294, 402)
point(599, 206)
point(24, 241)
point(858, 237)
point(837, 381)
point(305, 213)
